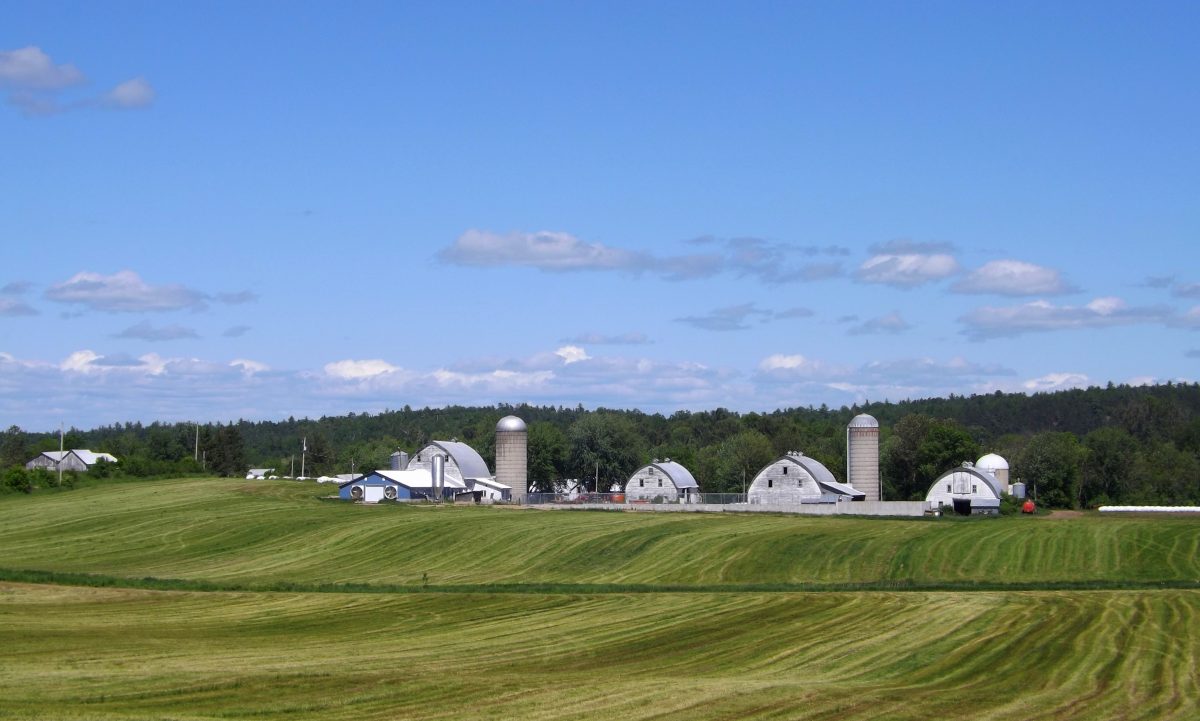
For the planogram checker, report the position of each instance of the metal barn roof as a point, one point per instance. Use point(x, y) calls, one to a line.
point(470, 463)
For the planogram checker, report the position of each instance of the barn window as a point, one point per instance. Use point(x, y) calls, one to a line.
point(974, 488)
point(641, 483)
point(660, 483)
point(947, 488)
point(785, 470)
point(770, 482)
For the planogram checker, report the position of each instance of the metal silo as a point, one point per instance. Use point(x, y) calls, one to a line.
point(512, 460)
point(862, 456)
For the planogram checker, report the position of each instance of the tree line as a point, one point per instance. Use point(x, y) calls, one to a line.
point(1079, 448)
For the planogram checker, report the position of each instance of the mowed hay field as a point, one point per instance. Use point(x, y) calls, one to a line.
point(271, 532)
point(581, 615)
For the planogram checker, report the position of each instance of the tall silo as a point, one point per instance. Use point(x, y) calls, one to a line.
point(512, 461)
point(998, 467)
point(862, 456)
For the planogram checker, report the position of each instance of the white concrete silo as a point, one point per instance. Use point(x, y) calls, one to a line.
point(862, 456)
point(998, 467)
point(512, 459)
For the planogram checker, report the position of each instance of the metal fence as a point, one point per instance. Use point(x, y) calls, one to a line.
point(538, 499)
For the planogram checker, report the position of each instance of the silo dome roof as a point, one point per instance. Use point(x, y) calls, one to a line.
point(863, 420)
point(510, 423)
point(992, 462)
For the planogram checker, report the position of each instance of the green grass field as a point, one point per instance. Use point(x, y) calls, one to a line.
point(623, 616)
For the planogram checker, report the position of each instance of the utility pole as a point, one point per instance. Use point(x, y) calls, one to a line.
point(292, 472)
point(303, 452)
point(597, 476)
point(196, 452)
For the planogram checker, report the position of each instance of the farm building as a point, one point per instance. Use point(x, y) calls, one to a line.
point(967, 490)
point(998, 467)
point(78, 459)
point(463, 464)
point(796, 478)
point(396, 486)
point(663, 480)
point(259, 473)
point(862, 456)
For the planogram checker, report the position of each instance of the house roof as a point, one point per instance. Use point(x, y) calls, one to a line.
point(83, 454)
point(470, 463)
point(419, 478)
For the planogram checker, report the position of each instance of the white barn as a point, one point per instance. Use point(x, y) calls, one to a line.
point(966, 490)
point(464, 466)
point(664, 480)
point(78, 459)
point(795, 478)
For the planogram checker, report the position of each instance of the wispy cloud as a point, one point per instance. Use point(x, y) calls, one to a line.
point(891, 323)
point(12, 308)
point(604, 339)
point(31, 68)
point(238, 298)
point(738, 317)
point(1056, 382)
point(907, 264)
point(17, 287)
point(135, 93)
point(734, 317)
point(552, 251)
point(545, 250)
point(236, 331)
point(146, 331)
point(37, 85)
point(123, 292)
point(360, 369)
point(1015, 278)
point(1042, 316)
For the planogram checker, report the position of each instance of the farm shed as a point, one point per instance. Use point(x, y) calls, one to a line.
point(78, 459)
point(967, 490)
point(796, 478)
point(394, 486)
point(664, 480)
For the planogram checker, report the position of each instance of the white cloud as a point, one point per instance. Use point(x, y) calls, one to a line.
point(906, 271)
point(1043, 316)
point(249, 367)
point(497, 381)
point(359, 369)
point(1190, 319)
point(1013, 277)
point(37, 85)
point(123, 291)
point(1142, 381)
point(30, 68)
point(134, 93)
point(906, 264)
point(1056, 382)
point(545, 250)
point(145, 331)
point(11, 307)
point(572, 354)
point(891, 323)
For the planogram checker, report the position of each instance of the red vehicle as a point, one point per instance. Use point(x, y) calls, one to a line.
point(1028, 507)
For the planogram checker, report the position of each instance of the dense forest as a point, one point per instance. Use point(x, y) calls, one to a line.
point(1080, 448)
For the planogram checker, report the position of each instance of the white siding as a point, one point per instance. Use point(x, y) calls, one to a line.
point(649, 483)
point(423, 460)
point(785, 482)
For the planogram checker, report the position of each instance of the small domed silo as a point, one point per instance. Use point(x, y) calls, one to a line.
point(862, 456)
point(512, 455)
point(998, 467)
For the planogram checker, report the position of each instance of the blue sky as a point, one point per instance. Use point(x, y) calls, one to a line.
point(221, 210)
